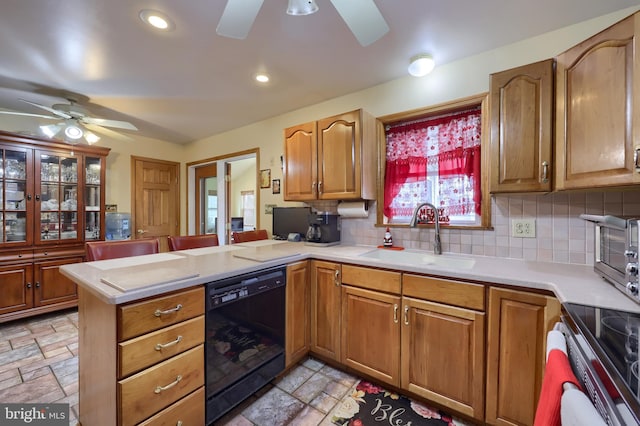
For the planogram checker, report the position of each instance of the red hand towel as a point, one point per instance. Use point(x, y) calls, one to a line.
point(557, 372)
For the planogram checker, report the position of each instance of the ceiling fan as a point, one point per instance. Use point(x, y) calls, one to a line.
point(74, 121)
point(361, 16)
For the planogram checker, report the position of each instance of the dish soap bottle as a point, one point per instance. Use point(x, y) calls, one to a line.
point(387, 240)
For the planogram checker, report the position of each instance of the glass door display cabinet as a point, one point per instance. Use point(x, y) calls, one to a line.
point(15, 195)
point(51, 202)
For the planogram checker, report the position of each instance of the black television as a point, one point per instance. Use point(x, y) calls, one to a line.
point(237, 224)
point(287, 220)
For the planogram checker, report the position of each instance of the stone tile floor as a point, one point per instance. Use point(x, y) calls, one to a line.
point(39, 364)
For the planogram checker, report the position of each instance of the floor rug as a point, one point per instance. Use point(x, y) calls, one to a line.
point(371, 405)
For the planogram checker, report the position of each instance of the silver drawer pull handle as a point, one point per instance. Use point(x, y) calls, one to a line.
point(179, 423)
point(170, 385)
point(158, 312)
point(160, 346)
point(406, 315)
point(395, 313)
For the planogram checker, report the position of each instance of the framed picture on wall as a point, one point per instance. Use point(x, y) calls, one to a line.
point(276, 186)
point(265, 178)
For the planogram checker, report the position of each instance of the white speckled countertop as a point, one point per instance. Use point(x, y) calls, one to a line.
point(123, 280)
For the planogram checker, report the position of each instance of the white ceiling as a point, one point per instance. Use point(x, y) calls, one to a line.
point(191, 83)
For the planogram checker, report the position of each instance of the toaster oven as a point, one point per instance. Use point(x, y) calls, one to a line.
point(616, 252)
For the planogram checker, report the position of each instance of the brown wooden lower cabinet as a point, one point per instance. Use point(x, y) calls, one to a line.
point(325, 309)
point(371, 333)
point(126, 380)
point(32, 286)
point(297, 315)
point(517, 325)
point(443, 355)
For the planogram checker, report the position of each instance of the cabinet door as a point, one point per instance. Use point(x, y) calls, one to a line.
point(56, 217)
point(325, 309)
point(339, 157)
point(300, 163)
point(371, 333)
point(521, 128)
point(51, 286)
point(297, 316)
point(93, 198)
point(516, 337)
point(16, 288)
point(16, 196)
point(443, 355)
point(597, 107)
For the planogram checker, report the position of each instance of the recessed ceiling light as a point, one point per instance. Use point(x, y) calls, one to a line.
point(262, 78)
point(156, 19)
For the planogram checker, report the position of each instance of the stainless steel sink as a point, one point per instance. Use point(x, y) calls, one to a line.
point(419, 257)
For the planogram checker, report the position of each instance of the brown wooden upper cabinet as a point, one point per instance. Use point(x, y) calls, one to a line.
point(331, 159)
point(522, 128)
point(597, 107)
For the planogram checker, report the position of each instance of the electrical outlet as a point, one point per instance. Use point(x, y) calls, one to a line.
point(523, 228)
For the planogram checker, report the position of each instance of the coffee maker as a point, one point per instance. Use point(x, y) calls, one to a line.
point(324, 228)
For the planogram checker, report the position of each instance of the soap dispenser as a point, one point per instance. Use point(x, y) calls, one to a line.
point(388, 240)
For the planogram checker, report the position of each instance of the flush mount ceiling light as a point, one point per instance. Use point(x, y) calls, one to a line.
point(302, 7)
point(157, 20)
point(421, 65)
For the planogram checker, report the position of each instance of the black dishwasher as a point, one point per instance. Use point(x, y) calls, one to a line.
point(245, 337)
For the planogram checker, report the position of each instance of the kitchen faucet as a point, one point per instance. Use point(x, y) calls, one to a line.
point(437, 246)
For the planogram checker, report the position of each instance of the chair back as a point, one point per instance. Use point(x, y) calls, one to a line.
point(184, 242)
point(245, 236)
point(101, 250)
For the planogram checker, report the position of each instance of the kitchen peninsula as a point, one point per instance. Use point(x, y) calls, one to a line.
point(121, 384)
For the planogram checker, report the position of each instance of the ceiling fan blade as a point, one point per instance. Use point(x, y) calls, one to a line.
point(108, 123)
point(46, 108)
point(29, 115)
point(108, 132)
point(237, 18)
point(363, 19)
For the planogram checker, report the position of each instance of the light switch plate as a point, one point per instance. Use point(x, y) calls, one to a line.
point(523, 228)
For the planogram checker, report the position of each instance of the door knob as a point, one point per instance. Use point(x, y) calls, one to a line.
point(141, 231)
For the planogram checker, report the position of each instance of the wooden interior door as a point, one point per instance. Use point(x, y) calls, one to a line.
point(202, 173)
point(156, 199)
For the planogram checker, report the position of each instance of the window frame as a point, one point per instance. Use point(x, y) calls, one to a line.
point(436, 110)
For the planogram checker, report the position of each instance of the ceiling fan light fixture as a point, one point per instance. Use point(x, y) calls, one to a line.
point(157, 20)
point(73, 132)
point(421, 65)
point(302, 7)
point(50, 130)
point(91, 137)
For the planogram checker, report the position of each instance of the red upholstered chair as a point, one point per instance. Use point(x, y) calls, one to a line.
point(101, 250)
point(184, 242)
point(243, 237)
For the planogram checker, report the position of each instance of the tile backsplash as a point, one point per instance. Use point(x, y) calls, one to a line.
point(561, 236)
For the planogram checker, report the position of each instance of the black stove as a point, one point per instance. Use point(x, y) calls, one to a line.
point(612, 335)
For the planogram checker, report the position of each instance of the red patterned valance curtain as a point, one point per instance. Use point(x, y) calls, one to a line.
point(447, 147)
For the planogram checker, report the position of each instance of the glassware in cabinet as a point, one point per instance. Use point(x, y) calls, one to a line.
point(93, 198)
point(13, 195)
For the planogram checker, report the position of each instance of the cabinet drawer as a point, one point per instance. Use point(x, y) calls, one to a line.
point(142, 317)
point(16, 256)
point(455, 293)
point(141, 352)
point(188, 411)
point(372, 279)
point(157, 387)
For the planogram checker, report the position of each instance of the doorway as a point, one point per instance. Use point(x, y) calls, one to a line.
point(207, 200)
point(232, 200)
